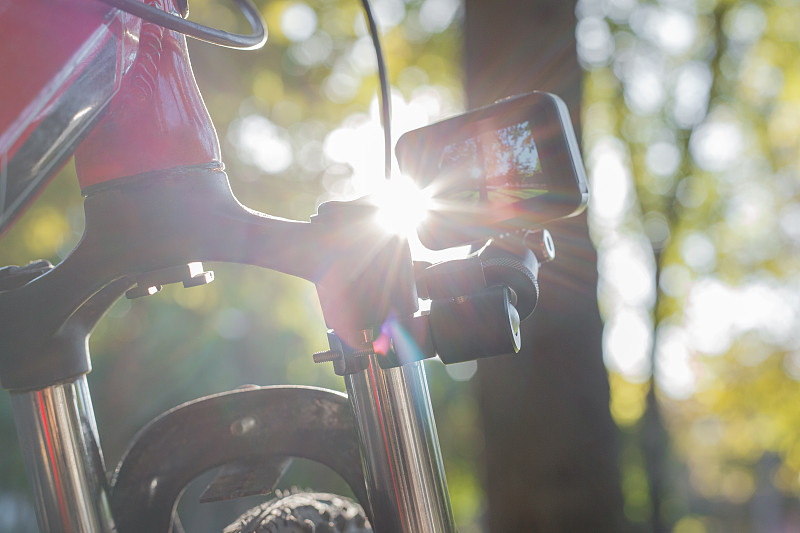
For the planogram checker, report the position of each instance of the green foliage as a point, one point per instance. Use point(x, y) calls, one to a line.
point(691, 140)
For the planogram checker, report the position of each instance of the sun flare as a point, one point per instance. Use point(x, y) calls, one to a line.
point(402, 206)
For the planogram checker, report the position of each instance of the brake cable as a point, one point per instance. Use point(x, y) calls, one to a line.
point(199, 31)
point(384, 100)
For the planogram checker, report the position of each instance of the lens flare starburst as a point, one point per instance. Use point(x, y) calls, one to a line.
point(402, 206)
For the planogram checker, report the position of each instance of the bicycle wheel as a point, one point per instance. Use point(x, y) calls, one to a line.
point(303, 512)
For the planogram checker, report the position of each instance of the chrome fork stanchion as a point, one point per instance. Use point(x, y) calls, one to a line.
point(402, 460)
point(60, 446)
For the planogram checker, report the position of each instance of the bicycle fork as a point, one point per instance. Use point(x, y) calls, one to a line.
point(60, 447)
point(403, 463)
point(404, 474)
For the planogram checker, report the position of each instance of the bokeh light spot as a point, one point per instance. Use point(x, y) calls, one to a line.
point(436, 15)
point(717, 145)
point(298, 22)
point(261, 143)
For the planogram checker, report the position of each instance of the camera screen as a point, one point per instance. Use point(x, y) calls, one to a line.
point(499, 166)
point(512, 165)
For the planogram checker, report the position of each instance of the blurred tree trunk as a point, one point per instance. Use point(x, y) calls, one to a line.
point(550, 442)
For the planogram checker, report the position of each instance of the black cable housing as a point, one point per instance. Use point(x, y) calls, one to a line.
point(384, 99)
point(199, 31)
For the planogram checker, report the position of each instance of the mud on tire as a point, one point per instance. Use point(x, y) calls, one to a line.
point(303, 512)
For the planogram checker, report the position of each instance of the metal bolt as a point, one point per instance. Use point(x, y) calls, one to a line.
point(142, 290)
point(326, 357)
point(332, 355)
point(243, 425)
point(204, 278)
point(541, 244)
